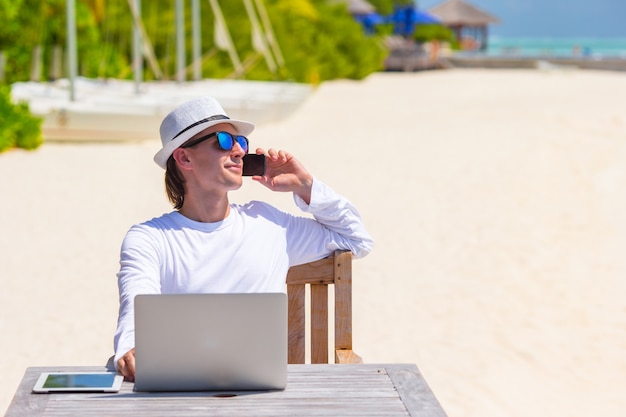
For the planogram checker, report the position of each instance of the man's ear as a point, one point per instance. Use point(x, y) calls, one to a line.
point(181, 156)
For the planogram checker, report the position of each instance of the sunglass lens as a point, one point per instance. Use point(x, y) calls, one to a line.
point(225, 140)
point(243, 142)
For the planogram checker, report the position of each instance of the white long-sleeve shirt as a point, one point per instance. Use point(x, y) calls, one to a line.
point(251, 250)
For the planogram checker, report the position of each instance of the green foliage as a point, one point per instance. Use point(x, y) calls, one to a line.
point(9, 8)
point(326, 46)
point(19, 128)
point(427, 33)
point(318, 38)
point(385, 7)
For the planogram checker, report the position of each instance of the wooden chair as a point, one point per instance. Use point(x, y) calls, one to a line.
point(334, 270)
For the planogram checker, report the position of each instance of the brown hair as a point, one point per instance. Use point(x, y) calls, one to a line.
point(174, 184)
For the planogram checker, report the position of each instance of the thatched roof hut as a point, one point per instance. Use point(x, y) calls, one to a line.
point(469, 23)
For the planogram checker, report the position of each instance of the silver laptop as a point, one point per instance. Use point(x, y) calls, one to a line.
point(206, 342)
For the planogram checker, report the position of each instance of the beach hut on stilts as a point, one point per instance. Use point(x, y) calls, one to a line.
point(469, 23)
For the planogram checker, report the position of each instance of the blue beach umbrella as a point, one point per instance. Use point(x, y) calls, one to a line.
point(369, 21)
point(406, 18)
point(420, 17)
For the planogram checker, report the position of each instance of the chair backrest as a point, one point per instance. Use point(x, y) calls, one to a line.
point(334, 270)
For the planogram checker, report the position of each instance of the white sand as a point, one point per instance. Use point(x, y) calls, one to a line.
point(496, 198)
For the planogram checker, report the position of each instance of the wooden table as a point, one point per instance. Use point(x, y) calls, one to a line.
point(312, 390)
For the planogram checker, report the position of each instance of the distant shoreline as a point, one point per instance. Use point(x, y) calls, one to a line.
point(577, 46)
point(474, 60)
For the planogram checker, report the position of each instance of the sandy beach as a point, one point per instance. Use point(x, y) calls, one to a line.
point(497, 199)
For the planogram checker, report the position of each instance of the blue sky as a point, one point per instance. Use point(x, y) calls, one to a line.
point(552, 18)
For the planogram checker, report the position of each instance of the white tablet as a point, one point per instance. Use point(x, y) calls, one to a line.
point(78, 382)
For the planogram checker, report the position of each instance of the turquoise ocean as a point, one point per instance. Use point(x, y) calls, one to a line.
point(557, 47)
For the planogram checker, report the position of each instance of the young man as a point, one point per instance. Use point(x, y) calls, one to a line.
point(207, 245)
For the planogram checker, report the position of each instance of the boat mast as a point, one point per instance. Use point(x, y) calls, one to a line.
point(180, 40)
point(147, 49)
point(197, 41)
point(137, 55)
point(71, 45)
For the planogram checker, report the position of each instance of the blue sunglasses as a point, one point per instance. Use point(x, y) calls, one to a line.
point(225, 141)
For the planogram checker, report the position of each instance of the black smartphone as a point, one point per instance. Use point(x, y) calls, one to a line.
point(253, 164)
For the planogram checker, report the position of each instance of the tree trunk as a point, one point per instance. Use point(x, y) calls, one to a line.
point(35, 68)
point(2, 65)
point(56, 66)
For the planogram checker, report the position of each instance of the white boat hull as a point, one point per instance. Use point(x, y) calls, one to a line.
point(111, 110)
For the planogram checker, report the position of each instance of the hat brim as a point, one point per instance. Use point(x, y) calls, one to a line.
point(161, 157)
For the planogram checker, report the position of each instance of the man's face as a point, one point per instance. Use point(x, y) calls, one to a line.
point(211, 168)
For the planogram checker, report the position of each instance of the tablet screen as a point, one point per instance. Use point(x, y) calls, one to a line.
point(78, 381)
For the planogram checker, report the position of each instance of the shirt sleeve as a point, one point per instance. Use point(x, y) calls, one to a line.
point(138, 274)
point(337, 225)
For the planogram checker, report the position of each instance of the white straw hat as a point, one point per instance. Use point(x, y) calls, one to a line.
point(190, 118)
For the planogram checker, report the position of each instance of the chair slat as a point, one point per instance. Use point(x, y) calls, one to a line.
point(295, 294)
point(319, 323)
point(343, 300)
